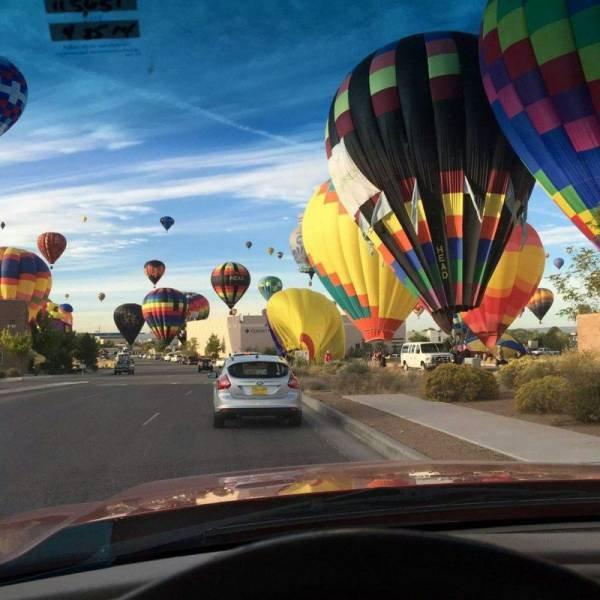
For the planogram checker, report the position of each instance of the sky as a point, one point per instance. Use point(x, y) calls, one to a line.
point(214, 116)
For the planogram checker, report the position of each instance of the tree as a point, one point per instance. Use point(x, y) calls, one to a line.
point(579, 285)
point(18, 344)
point(213, 346)
point(189, 348)
point(222, 344)
point(415, 336)
point(55, 345)
point(86, 350)
point(554, 338)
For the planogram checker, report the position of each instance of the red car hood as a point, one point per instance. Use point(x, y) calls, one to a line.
point(19, 533)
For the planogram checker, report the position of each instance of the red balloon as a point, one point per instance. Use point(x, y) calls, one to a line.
point(51, 245)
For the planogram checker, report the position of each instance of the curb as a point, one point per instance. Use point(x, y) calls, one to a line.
point(379, 442)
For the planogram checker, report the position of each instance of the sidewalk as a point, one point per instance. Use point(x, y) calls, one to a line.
point(518, 439)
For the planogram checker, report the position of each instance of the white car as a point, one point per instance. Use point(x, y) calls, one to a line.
point(423, 355)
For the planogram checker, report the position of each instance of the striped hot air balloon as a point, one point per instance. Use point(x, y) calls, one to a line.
point(154, 270)
point(364, 287)
point(24, 276)
point(418, 159)
point(541, 302)
point(51, 244)
point(164, 310)
point(230, 282)
point(198, 307)
point(515, 279)
point(539, 62)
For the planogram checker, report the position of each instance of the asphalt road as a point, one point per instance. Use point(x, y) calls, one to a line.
point(104, 433)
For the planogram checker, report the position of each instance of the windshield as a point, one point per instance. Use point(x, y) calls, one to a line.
point(254, 239)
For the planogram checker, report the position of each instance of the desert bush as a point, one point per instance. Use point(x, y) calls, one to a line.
point(316, 383)
point(388, 381)
point(508, 373)
point(550, 394)
point(536, 370)
point(12, 372)
point(460, 383)
point(584, 402)
point(355, 367)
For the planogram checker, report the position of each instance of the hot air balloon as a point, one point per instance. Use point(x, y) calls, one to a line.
point(511, 347)
point(366, 289)
point(84, 219)
point(269, 285)
point(67, 295)
point(418, 159)
point(248, 244)
point(67, 308)
point(24, 276)
point(65, 317)
point(230, 282)
point(301, 319)
point(164, 311)
point(299, 253)
point(2, 225)
point(559, 262)
point(13, 94)
point(280, 255)
point(101, 296)
point(129, 321)
point(419, 308)
point(154, 270)
point(540, 303)
point(515, 279)
point(270, 251)
point(538, 62)
point(198, 307)
point(547, 255)
point(51, 245)
point(167, 222)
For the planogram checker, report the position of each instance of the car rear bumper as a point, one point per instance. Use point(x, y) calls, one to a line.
point(225, 404)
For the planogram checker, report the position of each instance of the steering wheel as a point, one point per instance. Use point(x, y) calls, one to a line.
point(371, 563)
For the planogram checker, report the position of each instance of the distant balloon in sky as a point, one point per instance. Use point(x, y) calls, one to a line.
point(84, 219)
point(559, 262)
point(2, 225)
point(129, 320)
point(67, 295)
point(101, 296)
point(13, 94)
point(248, 244)
point(51, 244)
point(154, 270)
point(269, 285)
point(230, 282)
point(541, 302)
point(66, 308)
point(280, 254)
point(167, 222)
point(270, 250)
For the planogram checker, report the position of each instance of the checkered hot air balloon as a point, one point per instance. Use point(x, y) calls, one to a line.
point(515, 279)
point(13, 94)
point(416, 156)
point(164, 311)
point(364, 287)
point(230, 282)
point(24, 276)
point(540, 65)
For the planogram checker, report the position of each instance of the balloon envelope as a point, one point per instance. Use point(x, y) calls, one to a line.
point(51, 245)
point(270, 251)
point(24, 276)
point(167, 222)
point(13, 94)
point(539, 67)
point(269, 285)
point(164, 311)
point(511, 347)
point(101, 296)
point(515, 279)
point(418, 159)
point(230, 282)
point(301, 319)
point(541, 302)
point(129, 320)
point(154, 270)
point(248, 244)
point(66, 308)
point(364, 287)
point(299, 252)
point(198, 307)
point(558, 262)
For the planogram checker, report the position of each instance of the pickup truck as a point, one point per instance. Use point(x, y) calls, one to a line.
point(124, 364)
point(544, 352)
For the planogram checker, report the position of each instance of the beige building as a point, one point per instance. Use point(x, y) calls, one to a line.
point(243, 333)
point(14, 318)
point(588, 332)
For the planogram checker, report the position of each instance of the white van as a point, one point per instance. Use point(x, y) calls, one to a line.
point(423, 355)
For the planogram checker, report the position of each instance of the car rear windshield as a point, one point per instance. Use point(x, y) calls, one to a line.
point(264, 369)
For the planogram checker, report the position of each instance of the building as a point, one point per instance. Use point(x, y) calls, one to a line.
point(115, 339)
point(243, 333)
point(14, 318)
point(588, 332)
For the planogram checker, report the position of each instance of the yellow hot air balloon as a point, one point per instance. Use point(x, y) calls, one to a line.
point(355, 277)
point(301, 319)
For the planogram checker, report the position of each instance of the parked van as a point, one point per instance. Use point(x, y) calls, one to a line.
point(423, 355)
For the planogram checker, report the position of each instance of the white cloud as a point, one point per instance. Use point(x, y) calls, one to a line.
point(561, 235)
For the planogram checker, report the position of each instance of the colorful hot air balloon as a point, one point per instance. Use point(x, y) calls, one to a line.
point(301, 319)
point(539, 66)
point(269, 285)
point(248, 244)
point(67, 308)
point(129, 320)
point(24, 276)
point(511, 348)
point(299, 253)
point(167, 222)
point(540, 303)
point(366, 289)
point(230, 282)
point(418, 159)
point(559, 262)
point(280, 255)
point(154, 270)
point(101, 296)
point(515, 279)
point(13, 94)
point(419, 308)
point(51, 245)
point(270, 251)
point(198, 307)
point(164, 311)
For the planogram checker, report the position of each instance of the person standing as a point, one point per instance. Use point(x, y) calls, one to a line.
point(327, 358)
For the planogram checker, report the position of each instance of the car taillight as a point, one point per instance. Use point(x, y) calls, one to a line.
point(223, 383)
point(293, 382)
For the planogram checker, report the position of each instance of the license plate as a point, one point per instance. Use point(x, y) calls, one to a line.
point(259, 390)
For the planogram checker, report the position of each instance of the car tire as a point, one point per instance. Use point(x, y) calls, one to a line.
point(218, 421)
point(423, 367)
point(295, 420)
point(405, 366)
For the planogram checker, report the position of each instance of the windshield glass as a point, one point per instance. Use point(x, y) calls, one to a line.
point(396, 201)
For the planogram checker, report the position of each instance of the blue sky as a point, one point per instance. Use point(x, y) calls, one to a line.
point(215, 116)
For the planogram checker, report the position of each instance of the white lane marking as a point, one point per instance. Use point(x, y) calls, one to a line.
point(188, 393)
point(150, 419)
point(33, 388)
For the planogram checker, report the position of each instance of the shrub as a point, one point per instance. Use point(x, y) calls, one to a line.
point(12, 372)
point(584, 403)
point(535, 371)
point(388, 381)
point(355, 367)
point(315, 383)
point(460, 383)
point(508, 373)
point(550, 394)
point(2, 374)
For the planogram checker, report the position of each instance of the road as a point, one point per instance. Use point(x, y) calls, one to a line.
point(103, 433)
